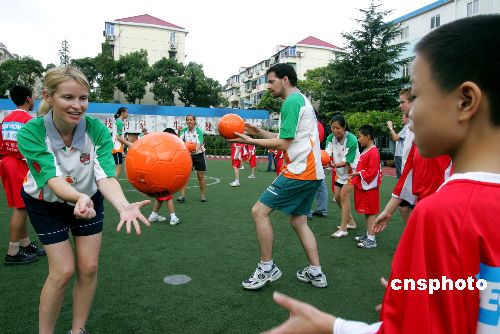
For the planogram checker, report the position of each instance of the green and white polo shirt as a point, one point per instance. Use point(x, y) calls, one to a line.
point(345, 150)
point(298, 122)
point(88, 160)
point(195, 136)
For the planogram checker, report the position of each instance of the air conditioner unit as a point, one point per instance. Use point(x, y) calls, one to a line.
point(172, 46)
point(110, 38)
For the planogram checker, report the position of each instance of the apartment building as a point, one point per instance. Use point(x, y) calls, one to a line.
point(415, 25)
point(5, 54)
point(158, 37)
point(245, 89)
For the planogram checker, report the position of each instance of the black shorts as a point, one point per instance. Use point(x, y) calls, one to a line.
point(118, 156)
point(406, 204)
point(340, 185)
point(199, 163)
point(52, 220)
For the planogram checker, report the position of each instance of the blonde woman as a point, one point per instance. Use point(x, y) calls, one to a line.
point(71, 170)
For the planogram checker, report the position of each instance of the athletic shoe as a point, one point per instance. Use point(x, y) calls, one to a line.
point(80, 331)
point(33, 248)
point(319, 214)
point(234, 184)
point(174, 221)
point(361, 238)
point(204, 199)
point(367, 243)
point(181, 199)
point(251, 176)
point(318, 281)
point(156, 218)
point(349, 227)
point(339, 234)
point(261, 277)
point(20, 258)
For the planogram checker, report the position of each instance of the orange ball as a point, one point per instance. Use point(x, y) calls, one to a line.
point(229, 124)
point(325, 158)
point(191, 146)
point(159, 164)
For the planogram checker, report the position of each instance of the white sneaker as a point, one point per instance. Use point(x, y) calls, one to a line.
point(234, 184)
point(339, 234)
point(156, 218)
point(261, 277)
point(251, 176)
point(318, 281)
point(242, 167)
point(174, 221)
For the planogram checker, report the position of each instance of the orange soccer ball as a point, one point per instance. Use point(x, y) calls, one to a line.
point(158, 164)
point(229, 124)
point(325, 158)
point(191, 146)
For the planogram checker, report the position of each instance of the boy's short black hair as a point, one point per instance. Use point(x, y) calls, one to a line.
point(466, 50)
point(170, 130)
point(19, 94)
point(284, 70)
point(367, 130)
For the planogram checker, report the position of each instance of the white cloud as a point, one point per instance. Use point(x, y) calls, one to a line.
point(223, 34)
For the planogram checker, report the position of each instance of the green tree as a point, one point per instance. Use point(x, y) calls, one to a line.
point(198, 90)
point(364, 77)
point(22, 71)
point(269, 103)
point(106, 68)
point(88, 67)
point(132, 72)
point(166, 78)
point(64, 56)
point(319, 85)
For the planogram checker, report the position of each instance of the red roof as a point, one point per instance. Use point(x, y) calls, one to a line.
point(148, 19)
point(313, 41)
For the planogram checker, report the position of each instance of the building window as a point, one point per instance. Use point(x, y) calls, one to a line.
point(473, 8)
point(110, 29)
point(291, 52)
point(172, 37)
point(267, 63)
point(172, 54)
point(405, 32)
point(435, 21)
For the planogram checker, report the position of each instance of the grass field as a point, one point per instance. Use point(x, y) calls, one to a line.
point(216, 246)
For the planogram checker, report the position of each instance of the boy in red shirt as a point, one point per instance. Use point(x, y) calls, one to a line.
point(13, 170)
point(452, 236)
point(366, 180)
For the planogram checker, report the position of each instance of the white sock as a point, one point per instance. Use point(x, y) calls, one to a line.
point(13, 248)
point(370, 237)
point(173, 216)
point(24, 242)
point(266, 266)
point(313, 270)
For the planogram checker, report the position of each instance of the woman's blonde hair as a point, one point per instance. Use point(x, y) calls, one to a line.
point(56, 76)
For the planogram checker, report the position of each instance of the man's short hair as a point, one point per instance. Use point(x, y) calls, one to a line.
point(19, 94)
point(406, 92)
point(284, 70)
point(466, 50)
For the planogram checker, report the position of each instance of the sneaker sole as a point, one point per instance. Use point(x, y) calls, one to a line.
point(313, 282)
point(19, 263)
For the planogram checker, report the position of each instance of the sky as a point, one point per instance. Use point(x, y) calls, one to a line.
point(224, 35)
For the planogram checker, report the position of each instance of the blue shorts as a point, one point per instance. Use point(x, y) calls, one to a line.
point(290, 196)
point(52, 220)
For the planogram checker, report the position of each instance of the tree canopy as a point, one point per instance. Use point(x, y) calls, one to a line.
point(23, 71)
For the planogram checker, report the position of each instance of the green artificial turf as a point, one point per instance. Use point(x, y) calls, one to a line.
point(216, 246)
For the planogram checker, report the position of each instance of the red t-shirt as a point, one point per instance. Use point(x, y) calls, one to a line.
point(454, 232)
point(421, 176)
point(11, 125)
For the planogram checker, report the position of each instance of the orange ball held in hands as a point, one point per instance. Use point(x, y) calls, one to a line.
point(325, 158)
point(191, 146)
point(229, 124)
point(159, 164)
